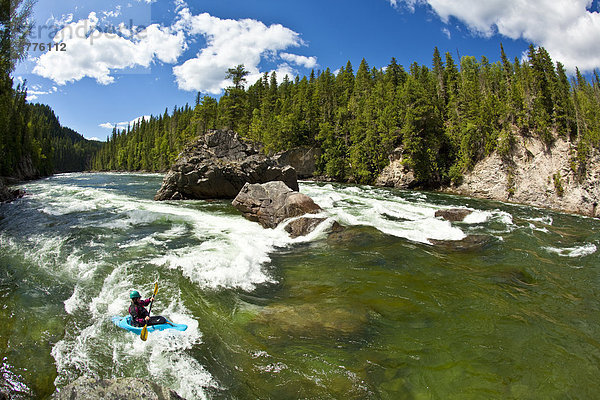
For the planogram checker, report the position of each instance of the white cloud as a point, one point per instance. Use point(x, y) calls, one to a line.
point(36, 91)
point(123, 125)
point(92, 52)
point(230, 43)
point(306, 62)
point(564, 27)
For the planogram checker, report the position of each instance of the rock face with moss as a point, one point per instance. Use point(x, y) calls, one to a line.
point(538, 175)
point(217, 166)
point(115, 389)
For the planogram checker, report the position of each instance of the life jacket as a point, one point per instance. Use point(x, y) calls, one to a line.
point(138, 313)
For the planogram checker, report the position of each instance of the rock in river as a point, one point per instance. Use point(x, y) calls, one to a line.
point(217, 166)
point(273, 202)
point(453, 214)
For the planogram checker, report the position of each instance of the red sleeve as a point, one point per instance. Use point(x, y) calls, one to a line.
point(145, 302)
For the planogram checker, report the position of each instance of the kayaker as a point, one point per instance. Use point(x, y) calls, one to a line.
point(138, 312)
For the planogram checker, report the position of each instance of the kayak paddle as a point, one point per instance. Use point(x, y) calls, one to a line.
point(144, 334)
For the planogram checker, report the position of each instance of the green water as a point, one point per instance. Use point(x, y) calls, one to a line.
point(361, 314)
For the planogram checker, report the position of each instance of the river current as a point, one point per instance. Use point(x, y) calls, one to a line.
point(374, 312)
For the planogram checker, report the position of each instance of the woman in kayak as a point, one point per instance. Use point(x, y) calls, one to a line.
point(138, 312)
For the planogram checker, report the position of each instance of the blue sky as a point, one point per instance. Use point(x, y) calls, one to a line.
point(124, 59)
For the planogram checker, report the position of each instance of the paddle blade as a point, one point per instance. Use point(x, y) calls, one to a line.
point(155, 288)
point(144, 334)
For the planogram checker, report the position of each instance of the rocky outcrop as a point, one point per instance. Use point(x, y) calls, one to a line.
point(115, 389)
point(217, 166)
point(271, 203)
point(397, 174)
point(453, 214)
point(538, 176)
point(7, 194)
point(302, 159)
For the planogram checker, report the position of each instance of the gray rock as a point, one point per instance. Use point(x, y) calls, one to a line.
point(115, 389)
point(217, 166)
point(453, 214)
point(302, 159)
point(302, 226)
point(273, 202)
point(397, 174)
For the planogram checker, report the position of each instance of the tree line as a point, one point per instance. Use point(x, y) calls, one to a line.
point(32, 141)
point(444, 118)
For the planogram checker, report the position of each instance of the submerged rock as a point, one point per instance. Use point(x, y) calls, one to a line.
point(453, 214)
point(217, 166)
point(311, 319)
point(115, 389)
point(271, 203)
point(471, 242)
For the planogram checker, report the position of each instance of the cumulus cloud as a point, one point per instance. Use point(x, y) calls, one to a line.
point(566, 28)
point(232, 42)
point(125, 124)
point(306, 62)
point(95, 53)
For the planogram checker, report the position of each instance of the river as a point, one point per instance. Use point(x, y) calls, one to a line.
point(373, 312)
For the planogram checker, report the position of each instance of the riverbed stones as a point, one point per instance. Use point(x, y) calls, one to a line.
point(115, 389)
point(271, 203)
point(217, 165)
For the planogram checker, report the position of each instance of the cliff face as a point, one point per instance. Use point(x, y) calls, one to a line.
point(538, 176)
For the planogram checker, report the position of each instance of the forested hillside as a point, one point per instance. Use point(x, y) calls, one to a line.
point(445, 117)
point(32, 141)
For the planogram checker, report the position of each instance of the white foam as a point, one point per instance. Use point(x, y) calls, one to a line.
point(478, 217)
point(388, 213)
point(578, 251)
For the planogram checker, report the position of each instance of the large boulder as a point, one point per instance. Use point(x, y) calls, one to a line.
point(217, 166)
point(115, 389)
point(271, 203)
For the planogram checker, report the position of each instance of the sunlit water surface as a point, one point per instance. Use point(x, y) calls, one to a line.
point(374, 312)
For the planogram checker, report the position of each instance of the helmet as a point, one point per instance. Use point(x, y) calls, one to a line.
point(134, 294)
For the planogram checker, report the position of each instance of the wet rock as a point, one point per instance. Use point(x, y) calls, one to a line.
point(303, 226)
point(302, 159)
point(453, 214)
point(355, 236)
point(115, 389)
point(217, 166)
point(471, 242)
point(7, 194)
point(273, 202)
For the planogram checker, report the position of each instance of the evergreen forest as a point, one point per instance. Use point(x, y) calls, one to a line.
point(32, 141)
point(443, 118)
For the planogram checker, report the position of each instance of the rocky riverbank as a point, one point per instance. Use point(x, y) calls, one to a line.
point(533, 174)
point(536, 175)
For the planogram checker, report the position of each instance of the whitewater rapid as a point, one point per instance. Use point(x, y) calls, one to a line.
point(106, 238)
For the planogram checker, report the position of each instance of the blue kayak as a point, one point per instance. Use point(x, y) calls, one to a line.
point(125, 323)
